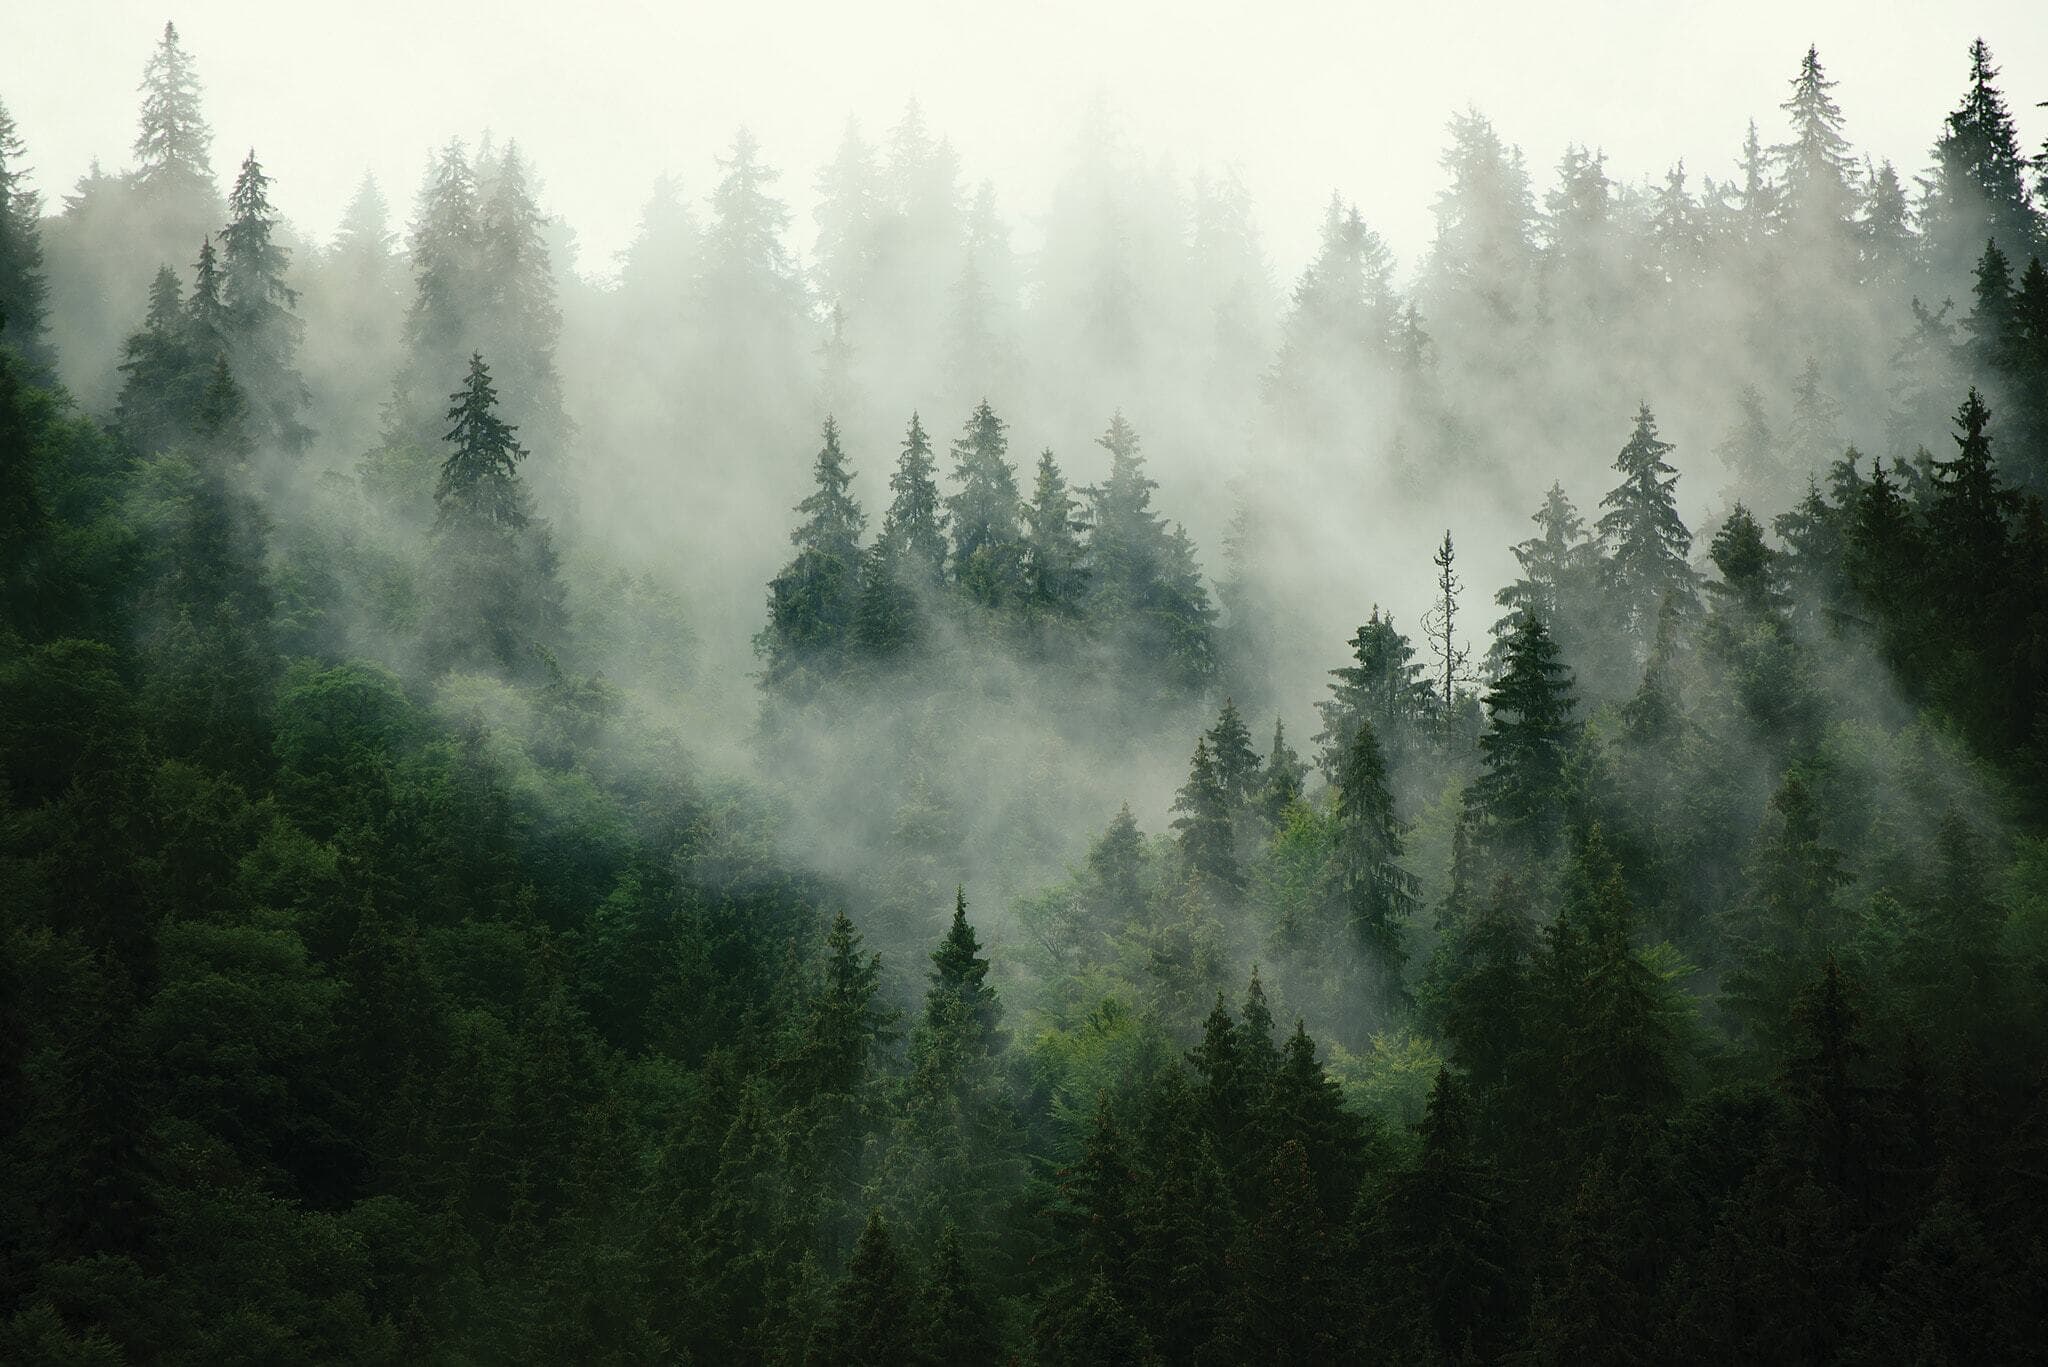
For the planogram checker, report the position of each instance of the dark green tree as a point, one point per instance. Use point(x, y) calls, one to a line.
point(23, 288)
point(1979, 186)
point(1280, 784)
point(172, 147)
point(987, 542)
point(1207, 842)
point(1645, 540)
point(1055, 577)
point(263, 330)
point(1383, 688)
point(1378, 894)
point(814, 600)
point(1230, 750)
point(873, 1319)
point(913, 529)
point(1530, 732)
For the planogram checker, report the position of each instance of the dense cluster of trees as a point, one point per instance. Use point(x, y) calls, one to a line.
point(1108, 571)
point(386, 975)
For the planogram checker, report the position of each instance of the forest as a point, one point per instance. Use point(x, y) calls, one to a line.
point(965, 783)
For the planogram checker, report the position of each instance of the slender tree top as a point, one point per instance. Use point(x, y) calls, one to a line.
point(173, 144)
point(833, 521)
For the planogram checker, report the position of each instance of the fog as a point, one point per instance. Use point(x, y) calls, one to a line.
point(1071, 214)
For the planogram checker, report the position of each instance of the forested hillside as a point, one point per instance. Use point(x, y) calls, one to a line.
point(857, 793)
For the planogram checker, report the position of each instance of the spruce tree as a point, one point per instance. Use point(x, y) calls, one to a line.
point(1230, 749)
point(263, 330)
point(1529, 735)
point(1055, 577)
point(23, 289)
point(172, 148)
point(1439, 626)
point(1205, 834)
point(813, 603)
point(1145, 586)
point(1280, 785)
point(1816, 175)
point(987, 546)
point(1645, 540)
point(1383, 687)
point(1968, 516)
point(160, 392)
point(518, 320)
point(1378, 894)
point(495, 594)
point(913, 529)
point(874, 1315)
point(1558, 581)
point(1750, 451)
point(479, 483)
point(957, 1329)
point(1790, 922)
point(1979, 187)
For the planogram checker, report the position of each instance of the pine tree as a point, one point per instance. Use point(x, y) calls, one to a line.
point(849, 218)
point(987, 546)
point(1055, 577)
point(1378, 894)
point(159, 400)
point(1280, 785)
point(1145, 584)
point(1967, 519)
point(208, 327)
point(1559, 566)
point(479, 483)
point(1886, 240)
point(814, 601)
point(495, 593)
point(913, 529)
point(874, 1312)
point(1645, 540)
point(519, 321)
point(1979, 187)
point(23, 289)
point(1749, 578)
point(1205, 834)
point(1816, 175)
point(1439, 626)
point(957, 1329)
point(1237, 764)
point(263, 331)
point(1529, 734)
point(1750, 451)
point(172, 148)
point(959, 973)
point(1305, 1106)
point(1383, 688)
point(1790, 922)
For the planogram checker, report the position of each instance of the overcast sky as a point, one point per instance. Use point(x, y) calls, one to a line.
point(1302, 97)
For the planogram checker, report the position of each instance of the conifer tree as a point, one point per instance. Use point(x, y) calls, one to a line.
point(1378, 894)
point(1645, 540)
point(1340, 329)
point(913, 529)
point(849, 218)
point(874, 1312)
point(1205, 834)
point(1559, 566)
point(173, 147)
point(1439, 625)
point(1991, 327)
point(1304, 1105)
point(1528, 736)
point(263, 330)
point(1054, 575)
point(446, 250)
point(209, 329)
point(1750, 451)
point(987, 546)
point(1979, 187)
point(23, 289)
point(1280, 784)
point(1145, 585)
point(1790, 922)
point(957, 1328)
point(495, 590)
point(1749, 578)
point(518, 319)
point(1816, 175)
point(159, 392)
point(1383, 687)
point(1886, 240)
point(814, 601)
point(960, 973)
point(1116, 862)
point(1230, 749)
point(1967, 520)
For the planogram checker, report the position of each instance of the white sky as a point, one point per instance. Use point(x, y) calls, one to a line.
point(1303, 97)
